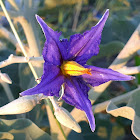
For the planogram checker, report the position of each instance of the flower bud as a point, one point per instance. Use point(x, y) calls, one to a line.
point(4, 77)
point(66, 119)
point(21, 105)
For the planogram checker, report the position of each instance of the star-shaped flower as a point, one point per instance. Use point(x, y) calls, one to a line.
point(65, 64)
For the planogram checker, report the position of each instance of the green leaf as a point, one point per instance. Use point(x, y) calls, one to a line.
point(107, 50)
point(137, 61)
point(117, 29)
point(21, 129)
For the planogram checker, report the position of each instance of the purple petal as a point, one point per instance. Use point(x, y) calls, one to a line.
point(102, 75)
point(64, 48)
point(51, 52)
point(50, 84)
point(83, 47)
point(75, 94)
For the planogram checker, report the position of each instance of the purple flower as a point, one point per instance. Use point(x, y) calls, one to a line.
point(65, 63)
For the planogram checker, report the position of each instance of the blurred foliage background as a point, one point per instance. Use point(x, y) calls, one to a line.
point(70, 17)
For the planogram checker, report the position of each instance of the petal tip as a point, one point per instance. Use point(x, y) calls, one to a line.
point(38, 18)
point(107, 11)
point(20, 94)
point(24, 93)
point(92, 129)
point(102, 21)
point(128, 78)
point(133, 77)
point(92, 126)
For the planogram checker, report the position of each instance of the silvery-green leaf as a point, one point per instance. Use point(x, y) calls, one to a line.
point(6, 135)
point(21, 129)
point(130, 111)
point(21, 105)
point(107, 50)
point(4, 77)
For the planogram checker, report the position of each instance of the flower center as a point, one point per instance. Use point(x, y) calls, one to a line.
point(74, 69)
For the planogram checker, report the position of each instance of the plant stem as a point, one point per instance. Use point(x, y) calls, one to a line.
point(17, 37)
point(47, 102)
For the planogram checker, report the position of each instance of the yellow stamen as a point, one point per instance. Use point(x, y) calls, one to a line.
point(74, 69)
